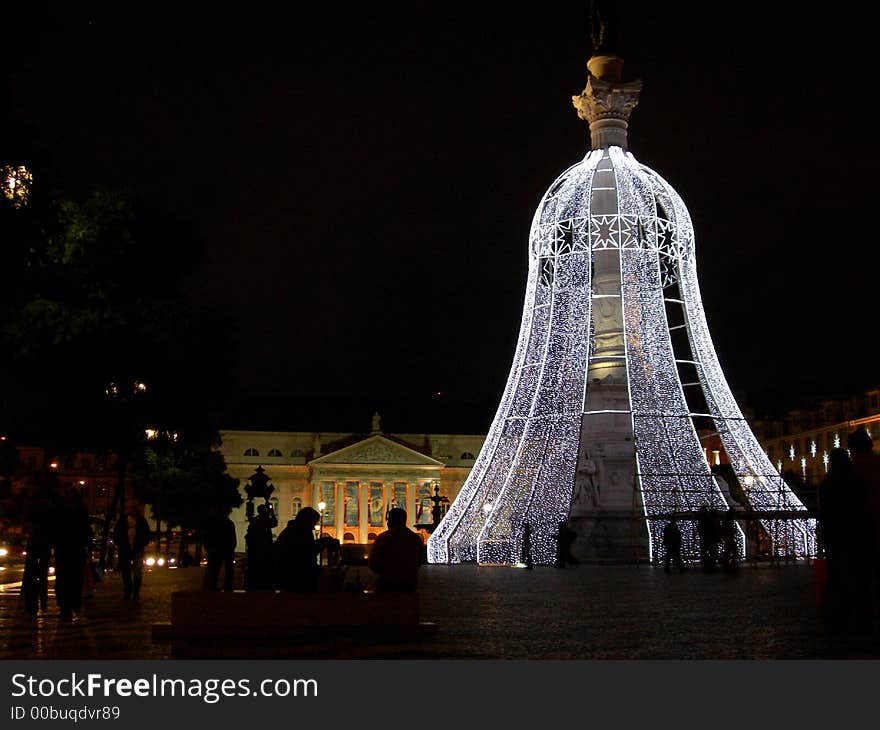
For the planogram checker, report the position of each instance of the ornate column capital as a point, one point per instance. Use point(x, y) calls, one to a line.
point(606, 102)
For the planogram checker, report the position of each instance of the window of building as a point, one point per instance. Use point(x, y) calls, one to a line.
point(467, 455)
point(295, 506)
point(400, 495)
point(297, 452)
point(251, 452)
point(327, 495)
point(348, 537)
point(275, 452)
point(423, 505)
point(352, 504)
point(376, 507)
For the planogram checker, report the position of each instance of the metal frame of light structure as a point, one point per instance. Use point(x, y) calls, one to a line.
point(526, 470)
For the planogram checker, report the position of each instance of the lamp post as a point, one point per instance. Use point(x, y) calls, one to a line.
point(321, 507)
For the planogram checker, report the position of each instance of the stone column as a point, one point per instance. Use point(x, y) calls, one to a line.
point(363, 511)
point(340, 509)
point(411, 490)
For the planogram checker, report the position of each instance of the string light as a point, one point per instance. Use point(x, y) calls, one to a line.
point(526, 472)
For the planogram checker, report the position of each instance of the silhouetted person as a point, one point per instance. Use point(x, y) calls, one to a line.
point(220, 542)
point(131, 536)
point(72, 537)
point(260, 550)
point(297, 552)
point(866, 553)
point(396, 555)
point(526, 556)
point(707, 531)
point(729, 549)
point(672, 545)
point(839, 495)
point(38, 524)
point(565, 536)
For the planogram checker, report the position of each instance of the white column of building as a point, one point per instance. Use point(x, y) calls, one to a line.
point(363, 511)
point(339, 508)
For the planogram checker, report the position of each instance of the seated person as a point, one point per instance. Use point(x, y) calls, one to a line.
point(396, 555)
point(297, 552)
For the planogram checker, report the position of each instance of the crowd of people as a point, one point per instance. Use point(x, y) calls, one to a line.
point(59, 533)
point(291, 562)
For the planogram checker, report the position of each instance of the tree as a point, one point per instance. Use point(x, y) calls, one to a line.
point(103, 345)
point(182, 481)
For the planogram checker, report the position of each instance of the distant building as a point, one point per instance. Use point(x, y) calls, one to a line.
point(800, 442)
point(358, 477)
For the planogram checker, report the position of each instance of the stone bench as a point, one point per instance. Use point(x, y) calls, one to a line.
point(276, 623)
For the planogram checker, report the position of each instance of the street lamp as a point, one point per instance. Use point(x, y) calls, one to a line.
point(321, 507)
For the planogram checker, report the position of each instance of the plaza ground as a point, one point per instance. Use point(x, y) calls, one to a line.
point(587, 612)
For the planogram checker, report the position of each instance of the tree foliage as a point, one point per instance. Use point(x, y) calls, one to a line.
point(102, 345)
point(182, 482)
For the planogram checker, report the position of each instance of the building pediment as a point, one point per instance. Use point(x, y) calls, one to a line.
point(376, 449)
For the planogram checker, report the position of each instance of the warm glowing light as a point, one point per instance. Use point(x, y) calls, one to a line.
point(16, 184)
point(749, 480)
point(150, 562)
point(837, 441)
point(3, 552)
point(151, 433)
point(813, 448)
point(322, 506)
point(53, 464)
point(82, 482)
point(160, 562)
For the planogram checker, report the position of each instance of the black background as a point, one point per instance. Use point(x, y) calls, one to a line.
point(363, 178)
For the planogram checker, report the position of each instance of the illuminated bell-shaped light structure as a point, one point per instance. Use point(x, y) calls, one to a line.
point(613, 367)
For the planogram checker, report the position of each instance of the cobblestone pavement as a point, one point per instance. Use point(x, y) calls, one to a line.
point(587, 612)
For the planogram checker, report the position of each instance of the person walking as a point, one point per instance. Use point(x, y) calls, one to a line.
point(526, 556)
point(38, 524)
point(865, 563)
point(72, 537)
point(707, 531)
point(396, 555)
point(729, 549)
point(131, 536)
point(672, 545)
point(220, 541)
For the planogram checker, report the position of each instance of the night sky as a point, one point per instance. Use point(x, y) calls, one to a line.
point(363, 180)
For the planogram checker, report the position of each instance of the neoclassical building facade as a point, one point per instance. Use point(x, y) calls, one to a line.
point(357, 477)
